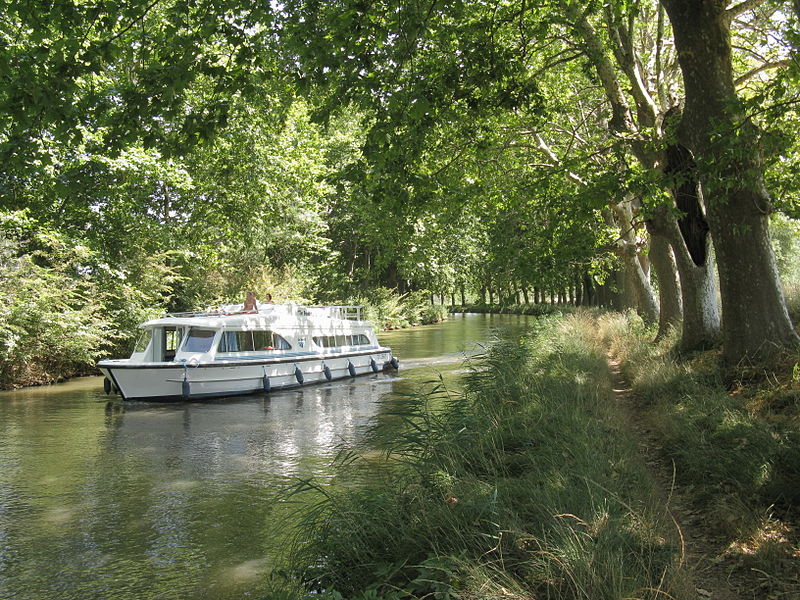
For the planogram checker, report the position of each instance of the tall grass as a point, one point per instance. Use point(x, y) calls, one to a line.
point(735, 444)
point(523, 485)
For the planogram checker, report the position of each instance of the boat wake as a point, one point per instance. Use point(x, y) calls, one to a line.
point(455, 358)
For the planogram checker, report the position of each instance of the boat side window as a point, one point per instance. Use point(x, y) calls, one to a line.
point(228, 342)
point(171, 341)
point(269, 340)
point(358, 339)
point(248, 341)
point(199, 340)
point(331, 341)
point(324, 341)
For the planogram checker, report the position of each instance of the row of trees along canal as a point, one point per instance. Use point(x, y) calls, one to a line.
point(170, 153)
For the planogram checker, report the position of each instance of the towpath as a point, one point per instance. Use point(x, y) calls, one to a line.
point(700, 552)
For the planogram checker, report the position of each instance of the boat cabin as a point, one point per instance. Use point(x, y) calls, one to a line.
point(277, 330)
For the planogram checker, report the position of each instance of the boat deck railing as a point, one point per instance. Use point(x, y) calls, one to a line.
point(345, 312)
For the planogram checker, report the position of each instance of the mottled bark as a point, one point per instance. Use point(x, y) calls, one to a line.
point(691, 244)
point(701, 316)
point(756, 323)
point(669, 299)
point(639, 293)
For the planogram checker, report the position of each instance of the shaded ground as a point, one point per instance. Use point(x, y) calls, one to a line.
point(702, 552)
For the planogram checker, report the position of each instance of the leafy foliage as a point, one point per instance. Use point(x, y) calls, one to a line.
point(51, 324)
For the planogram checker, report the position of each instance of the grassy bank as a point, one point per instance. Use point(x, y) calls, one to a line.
point(523, 485)
point(734, 438)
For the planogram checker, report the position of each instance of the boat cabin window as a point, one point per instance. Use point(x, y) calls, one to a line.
point(333, 341)
point(171, 339)
point(250, 341)
point(199, 340)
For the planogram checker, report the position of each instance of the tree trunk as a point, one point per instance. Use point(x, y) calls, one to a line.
point(641, 289)
point(463, 295)
point(637, 289)
point(691, 245)
point(589, 295)
point(669, 299)
point(755, 323)
point(525, 295)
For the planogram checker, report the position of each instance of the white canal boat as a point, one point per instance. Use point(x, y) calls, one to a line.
point(227, 352)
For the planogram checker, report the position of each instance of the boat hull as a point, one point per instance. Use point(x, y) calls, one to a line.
point(170, 381)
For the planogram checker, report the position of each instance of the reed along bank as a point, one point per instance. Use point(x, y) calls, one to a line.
point(525, 483)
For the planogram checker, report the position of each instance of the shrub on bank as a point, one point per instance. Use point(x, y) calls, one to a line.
point(389, 310)
point(523, 486)
point(50, 322)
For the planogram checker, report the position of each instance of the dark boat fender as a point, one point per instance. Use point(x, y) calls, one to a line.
point(106, 385)
point(266, 384)
point(351, 369)
point(186, 388)
point(298, 374)
point(374, 365)
point(327, 371)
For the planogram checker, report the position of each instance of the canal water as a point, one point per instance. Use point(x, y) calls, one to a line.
point(104, 499)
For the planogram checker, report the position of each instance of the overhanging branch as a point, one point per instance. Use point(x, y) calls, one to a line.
point(737, 9)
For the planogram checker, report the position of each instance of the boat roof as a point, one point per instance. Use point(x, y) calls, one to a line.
point(231, 316)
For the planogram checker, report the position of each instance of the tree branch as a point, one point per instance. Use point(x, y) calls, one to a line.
point(127, 28)
point(552, 155)
point(776, 64)
point(734, 11)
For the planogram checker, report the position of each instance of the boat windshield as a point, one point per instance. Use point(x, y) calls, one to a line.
point(143, 341)
point(199, 340)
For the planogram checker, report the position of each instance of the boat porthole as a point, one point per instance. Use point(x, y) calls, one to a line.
point(298, 374)
point(327, 370)
point(374, 365)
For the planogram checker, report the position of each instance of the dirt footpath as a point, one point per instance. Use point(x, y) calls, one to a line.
point(701, 553)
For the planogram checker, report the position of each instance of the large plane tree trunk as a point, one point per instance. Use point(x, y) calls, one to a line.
point(691, 243)
point(755, 322)
point(669, 299)
point(638, 283)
